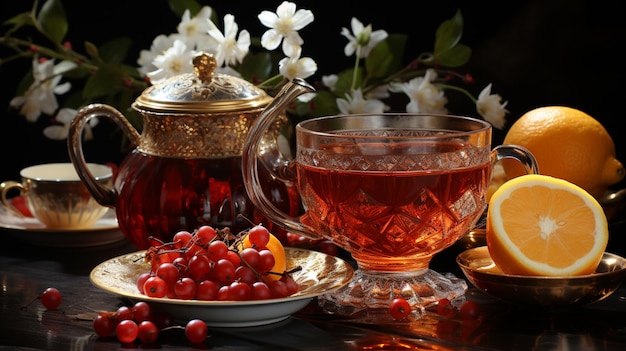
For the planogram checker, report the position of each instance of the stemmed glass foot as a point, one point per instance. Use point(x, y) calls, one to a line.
point(368, 296)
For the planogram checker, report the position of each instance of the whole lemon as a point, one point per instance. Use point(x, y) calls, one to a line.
point(568, 144)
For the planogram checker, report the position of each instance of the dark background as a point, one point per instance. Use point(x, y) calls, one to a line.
point(561, 52)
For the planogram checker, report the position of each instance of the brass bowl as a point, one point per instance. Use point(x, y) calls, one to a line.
point(542, 291)
point(613, 202)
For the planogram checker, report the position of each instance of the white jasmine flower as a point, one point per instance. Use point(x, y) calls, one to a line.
point(488, 105)
point(284, 26)
point(194, 30)
point(306, 97)
point(40, 97)
point(176, 60)
point(294, 67)
point(230, 50)
point(64, 117)
point(330, 81)
point(425, 96)
point(363, 40)
point(357, 104)
point(160, 44)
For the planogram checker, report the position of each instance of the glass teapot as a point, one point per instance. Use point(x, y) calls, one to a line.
point(185, 170)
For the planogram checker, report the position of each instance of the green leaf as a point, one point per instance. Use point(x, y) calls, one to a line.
point(18, 21)
point(77, 73)
point(92, 50)
point(324, 103)
point(105, 81)
point(386, 57)
point(449, 34)
point(455, 57)
point(52, 18)
point(74, 100)
point(116, 50)
point(179, 7)
point(256, 67)
point(344, 82)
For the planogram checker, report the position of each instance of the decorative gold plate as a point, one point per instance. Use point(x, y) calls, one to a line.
point(551, 292)
point(320, 274)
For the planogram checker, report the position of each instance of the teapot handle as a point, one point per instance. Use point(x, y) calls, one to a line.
point(103, 195)
point(282, 169)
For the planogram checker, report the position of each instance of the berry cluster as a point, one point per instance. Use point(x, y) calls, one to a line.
point(214, 265)
point(400, 309)
point(139, 323)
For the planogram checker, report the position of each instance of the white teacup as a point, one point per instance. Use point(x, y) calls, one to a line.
point(56, 196)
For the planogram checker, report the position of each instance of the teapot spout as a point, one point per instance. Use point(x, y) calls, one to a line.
point(251, 158)
point(286, 95)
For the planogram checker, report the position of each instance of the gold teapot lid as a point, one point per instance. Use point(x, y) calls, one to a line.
point(203, 91)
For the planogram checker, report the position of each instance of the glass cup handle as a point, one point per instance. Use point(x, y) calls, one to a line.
point(516, 152)
point(519, 153)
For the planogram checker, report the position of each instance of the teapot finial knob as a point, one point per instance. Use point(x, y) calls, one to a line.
point(204, 64)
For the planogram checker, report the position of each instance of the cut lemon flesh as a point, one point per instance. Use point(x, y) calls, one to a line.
point(541, 225)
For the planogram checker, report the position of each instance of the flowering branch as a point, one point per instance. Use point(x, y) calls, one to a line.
point(102, 76)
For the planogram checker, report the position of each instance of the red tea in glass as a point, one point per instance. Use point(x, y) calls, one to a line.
point(389, 217)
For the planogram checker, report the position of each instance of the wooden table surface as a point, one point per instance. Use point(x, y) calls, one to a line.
point(26, 270)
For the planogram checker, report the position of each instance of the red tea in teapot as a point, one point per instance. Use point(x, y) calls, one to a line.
point(159, 196)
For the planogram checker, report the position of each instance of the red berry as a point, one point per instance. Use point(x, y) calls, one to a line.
point(259, 236)
point(147, 332)
point(168, 272)
point(51, 298)
point(290, 284)
point(185, 288)
point(217, 250)
point(399, 308)
point(196, 331)
point(141, 312)
point(103, 325)
point(278, 289)
point(126, 331)
point(469, 310)
point(266, 261)
point(239, 291)
point(204, 235)
point(182, 238)
point(155, 287)
point(250, 256)
point(124, 313)
point(141, 280)
point(445, 308)
point(260, 291)
point(199, 266)
point(207, 290)
point(224, 271)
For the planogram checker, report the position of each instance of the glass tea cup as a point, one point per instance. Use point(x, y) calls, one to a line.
point(393, 190)
point(56, 196)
